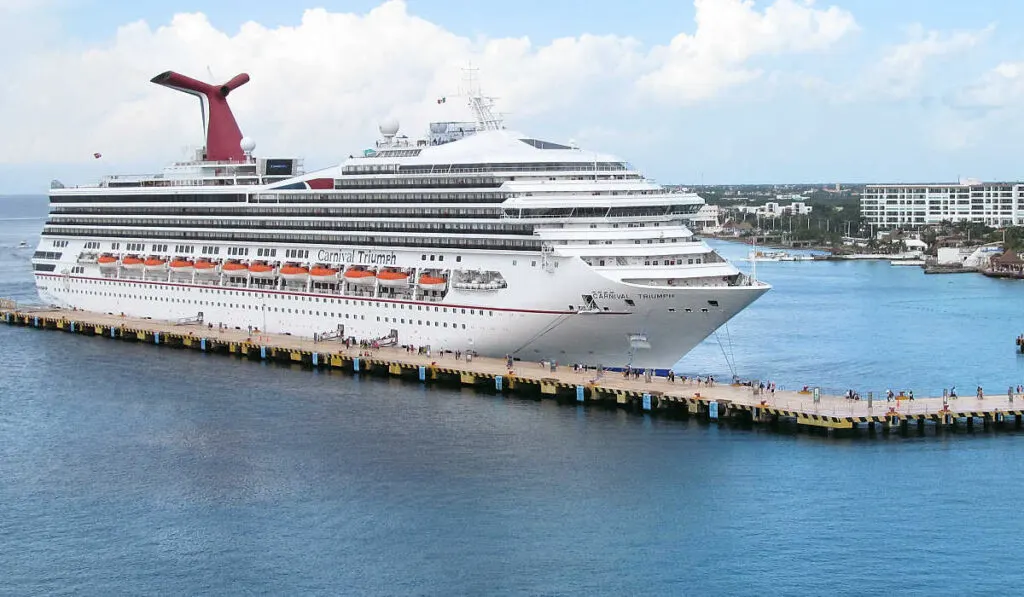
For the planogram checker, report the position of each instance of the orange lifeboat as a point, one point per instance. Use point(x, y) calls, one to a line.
point(234, 268)
point(363, 277)
point(432, 282)
point(107, 261)
point(294, 273)
point(205, 267)
point(392, 278)
point(182, 266)
point(155, 264)
point(133, 263)
point(322, 273)
point(262, 271)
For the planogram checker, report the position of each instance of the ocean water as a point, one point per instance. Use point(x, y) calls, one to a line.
point(126, 469)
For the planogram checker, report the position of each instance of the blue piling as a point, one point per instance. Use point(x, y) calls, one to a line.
point(713, 410)
point(202, 344)
point(647, 401)
point(579, 393)
point(72, 327)
point(316, 359)
point(113, 332)
point(156, 337)
point(263, 352)
point(498, 381)
point(355, 364)
point(423, 373)
point(37, 321)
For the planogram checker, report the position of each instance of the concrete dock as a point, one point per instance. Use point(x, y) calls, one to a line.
point(740, 404)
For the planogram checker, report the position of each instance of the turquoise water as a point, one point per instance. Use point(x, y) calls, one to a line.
point(126, 469)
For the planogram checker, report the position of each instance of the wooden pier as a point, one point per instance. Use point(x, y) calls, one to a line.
point(739, 404)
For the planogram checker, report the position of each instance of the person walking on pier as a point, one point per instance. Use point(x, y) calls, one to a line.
point(981, 393)
point(952, 392)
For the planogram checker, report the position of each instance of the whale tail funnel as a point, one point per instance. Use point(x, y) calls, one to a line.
point(223, 137)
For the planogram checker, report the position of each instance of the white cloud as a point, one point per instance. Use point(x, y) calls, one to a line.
point(984, 109)
point(730, 33)
point(1000, 88)
point(902, 71)
point(320, 87)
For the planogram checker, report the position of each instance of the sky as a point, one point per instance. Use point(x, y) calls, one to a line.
point(688, 91)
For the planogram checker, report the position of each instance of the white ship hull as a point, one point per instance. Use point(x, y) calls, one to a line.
point(661, 325)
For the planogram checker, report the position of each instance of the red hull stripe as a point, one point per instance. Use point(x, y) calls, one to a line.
point(343, 297)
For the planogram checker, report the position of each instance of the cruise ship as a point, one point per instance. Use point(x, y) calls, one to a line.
point(472, 237)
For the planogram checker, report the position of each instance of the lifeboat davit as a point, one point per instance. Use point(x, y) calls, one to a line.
point(205, 267)
point(294, 273)
point(182, 266)
point(359, 276)
point(323, 274)
point(233, 268)
point(262, 271)
point(107, 261)
point(392, 278)
point(155, 264)
point(432, 282)
point(132, 263)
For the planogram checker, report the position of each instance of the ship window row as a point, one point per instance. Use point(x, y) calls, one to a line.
point(514, 167)
point(417, 197)
point(416, 182)
point(238, 251)
point(339, 225)
point(602, 212)
point(291, 237)
point(151, 198)
point(290, 211)
point(47, 254)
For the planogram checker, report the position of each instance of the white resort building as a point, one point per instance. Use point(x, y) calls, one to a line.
point(995, 204)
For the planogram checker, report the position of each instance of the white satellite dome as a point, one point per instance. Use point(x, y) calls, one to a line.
point(389, 127)
point(247, 144)
point(438, 127)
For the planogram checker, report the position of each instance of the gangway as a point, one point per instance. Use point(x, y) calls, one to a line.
point(197, 320)
point(335, 334)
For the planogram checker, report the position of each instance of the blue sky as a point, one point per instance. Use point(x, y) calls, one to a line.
point(848, 90)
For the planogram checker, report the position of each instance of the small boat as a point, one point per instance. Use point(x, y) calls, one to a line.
point(432, 282)
point(262, 271)
point(23, 245)
point(392, 278)
point(294, 273)
point(234, 268)
point(155, 264)
point(107, 261)
point(182, 266)
point(132, 263)
point(205, 267)
point(321, 273)
point(354, 275)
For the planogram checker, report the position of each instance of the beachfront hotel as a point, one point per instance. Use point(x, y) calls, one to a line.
point(995, 204)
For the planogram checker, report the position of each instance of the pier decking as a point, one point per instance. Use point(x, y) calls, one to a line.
point(659, 396)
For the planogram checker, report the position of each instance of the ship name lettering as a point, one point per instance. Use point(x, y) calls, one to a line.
point(334, 256)
point(608, 294)
point(656, 297)
point(375, 258)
